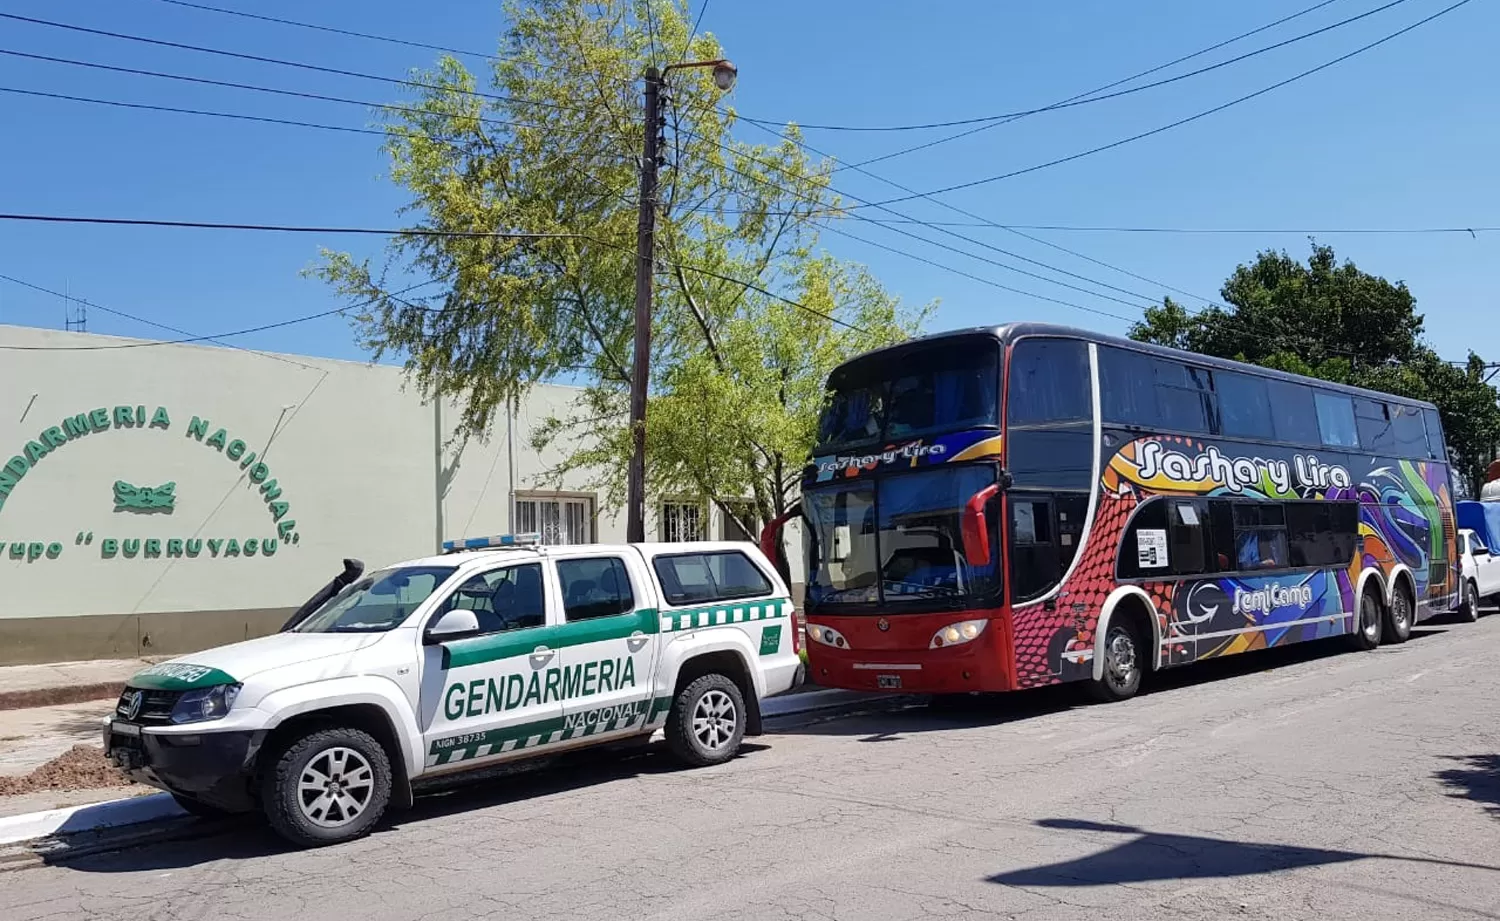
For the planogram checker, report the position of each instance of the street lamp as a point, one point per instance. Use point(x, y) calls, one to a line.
point(724, 77)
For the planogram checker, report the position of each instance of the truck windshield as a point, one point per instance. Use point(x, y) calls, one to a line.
point(377, 602)
point(896, 539)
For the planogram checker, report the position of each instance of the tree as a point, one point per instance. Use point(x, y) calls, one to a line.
point(749, 314)
point(1337, 323)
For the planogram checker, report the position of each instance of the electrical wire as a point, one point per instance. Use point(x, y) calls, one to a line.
point(332, 30)
point(302, 65)
point(1098, 89)
point(1075, 228)
point(1089, 99)
point(1180, 122)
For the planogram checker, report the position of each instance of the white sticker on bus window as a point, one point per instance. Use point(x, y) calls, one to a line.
point(1188, 514)
point(1151, 548)
point(1025, 513)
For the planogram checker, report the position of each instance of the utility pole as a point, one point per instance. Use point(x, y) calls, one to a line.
point(640, 372)
point(645, 243)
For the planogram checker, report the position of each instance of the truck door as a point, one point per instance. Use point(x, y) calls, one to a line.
point(498, 692)
point(609, 643)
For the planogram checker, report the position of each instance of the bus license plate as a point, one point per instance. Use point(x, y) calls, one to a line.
point(888, 682)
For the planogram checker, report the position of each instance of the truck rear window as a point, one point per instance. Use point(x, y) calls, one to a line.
point(699, 578)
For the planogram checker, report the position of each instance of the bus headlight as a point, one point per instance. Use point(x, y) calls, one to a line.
point(957, 634)
point(827, 636)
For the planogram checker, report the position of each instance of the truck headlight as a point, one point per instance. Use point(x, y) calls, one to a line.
point(205, 704)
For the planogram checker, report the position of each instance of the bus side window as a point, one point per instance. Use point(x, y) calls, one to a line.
point(1033, 551)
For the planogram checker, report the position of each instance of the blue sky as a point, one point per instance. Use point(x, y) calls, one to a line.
point(1406, 135)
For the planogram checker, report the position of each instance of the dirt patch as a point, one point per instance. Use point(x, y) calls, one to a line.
point(82, 767)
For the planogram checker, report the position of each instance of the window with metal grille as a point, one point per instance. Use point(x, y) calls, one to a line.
point(682, 521)
point(565, 520)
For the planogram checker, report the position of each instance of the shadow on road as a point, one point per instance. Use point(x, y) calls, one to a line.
point(886, 721)
point(1478, 780)
point(246, 837)
point(1148, 856)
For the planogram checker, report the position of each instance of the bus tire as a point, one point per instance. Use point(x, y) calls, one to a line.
point(707, 721)
point(1400, 615)
point(1468, 601)
point(1124, 663)
point(353, 768)
point(1368, 622)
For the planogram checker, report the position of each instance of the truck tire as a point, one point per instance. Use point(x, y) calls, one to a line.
point(328, 786)
point(1468, 601)
point(707, 721)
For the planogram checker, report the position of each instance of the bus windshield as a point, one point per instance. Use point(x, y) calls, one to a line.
point(896, 539)
point(912, 394)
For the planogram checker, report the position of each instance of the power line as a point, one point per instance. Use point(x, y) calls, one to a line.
point(948, 232)
point(1098, 89)
point(291, 228)
point(254, 87)
point(302, 65)
point(130, 316)
point(332, 30)
point(1076, 228)
point(294, 228)
point(1180, 122)
point(1090, 98)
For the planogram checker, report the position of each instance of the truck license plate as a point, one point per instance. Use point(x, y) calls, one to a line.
point(888, 682)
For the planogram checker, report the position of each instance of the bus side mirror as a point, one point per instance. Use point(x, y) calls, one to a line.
point(975, 527)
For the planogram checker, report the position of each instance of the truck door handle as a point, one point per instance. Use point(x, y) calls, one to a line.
point(636, 641)
point(541, 655)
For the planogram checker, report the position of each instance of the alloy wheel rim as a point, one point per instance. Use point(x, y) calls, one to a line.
point(1400, 611)
point(335, 787)
point(715, 719)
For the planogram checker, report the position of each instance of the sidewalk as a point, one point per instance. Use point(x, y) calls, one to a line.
point(50, 750)
point(23, 686)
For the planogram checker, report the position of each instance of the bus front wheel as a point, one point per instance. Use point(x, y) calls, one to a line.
point(1124, 662)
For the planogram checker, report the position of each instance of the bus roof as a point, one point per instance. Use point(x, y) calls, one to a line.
point(1010, 332)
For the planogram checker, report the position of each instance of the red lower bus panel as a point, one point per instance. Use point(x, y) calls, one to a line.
point(899, 658)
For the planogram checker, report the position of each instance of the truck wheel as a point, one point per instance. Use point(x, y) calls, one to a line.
point(1123, 658)
point(1468, 601)
point(707, 722)
point(1367, 628)
point(1399, 617)
point(328, 786)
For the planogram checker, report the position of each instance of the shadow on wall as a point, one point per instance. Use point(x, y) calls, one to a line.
point(1147, 856)
point(1477, 780)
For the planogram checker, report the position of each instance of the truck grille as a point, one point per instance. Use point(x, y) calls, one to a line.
point(155, 706)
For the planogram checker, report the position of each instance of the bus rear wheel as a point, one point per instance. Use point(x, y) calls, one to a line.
point(1367, 628)
point(1399, 616)
point(1123, 664)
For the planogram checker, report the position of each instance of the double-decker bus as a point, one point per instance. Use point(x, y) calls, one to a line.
point(1004, 508)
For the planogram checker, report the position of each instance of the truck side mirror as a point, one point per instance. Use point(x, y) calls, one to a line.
point(454, 625)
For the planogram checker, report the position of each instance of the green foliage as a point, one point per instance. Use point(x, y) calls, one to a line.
point(1340, 324)
point(551, 145)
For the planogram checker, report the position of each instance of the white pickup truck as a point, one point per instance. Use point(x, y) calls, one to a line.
point(1481, 574)
point(497, 650)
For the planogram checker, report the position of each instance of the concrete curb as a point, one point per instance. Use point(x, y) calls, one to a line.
point(89, 817)
point(57, 696)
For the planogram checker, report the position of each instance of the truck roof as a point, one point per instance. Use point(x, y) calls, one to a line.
point(648, 549)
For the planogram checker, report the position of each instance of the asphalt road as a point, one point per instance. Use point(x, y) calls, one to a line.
point(1305, 783)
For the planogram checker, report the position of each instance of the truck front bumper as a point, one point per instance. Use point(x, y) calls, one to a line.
point(214, 768)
